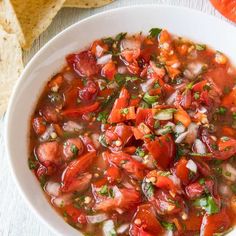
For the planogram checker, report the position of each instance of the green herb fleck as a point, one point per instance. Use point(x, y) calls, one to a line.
point(150, 136)
point(120, 36)
point(102, 140)
point(74, 149)
point(102, 117)
point(32, 164)
point(154, 32)
point(201, 181)
point(124, 111)
point(149, 189)
point(112, 232)
point(150, 99)
point(168, 226)
point(221, 110)
point(104, 190)
point(208, 204)
point(200, 47)
point(140, 152)
point(196, 95)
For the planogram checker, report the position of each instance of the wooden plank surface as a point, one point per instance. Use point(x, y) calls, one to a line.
point(16, 219)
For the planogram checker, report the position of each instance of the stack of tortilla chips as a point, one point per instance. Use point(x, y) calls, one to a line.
point(21, 22)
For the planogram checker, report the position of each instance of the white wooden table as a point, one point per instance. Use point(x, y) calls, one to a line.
point(16, 219)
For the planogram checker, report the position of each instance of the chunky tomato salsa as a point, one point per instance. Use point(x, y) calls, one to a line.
point(136, 136)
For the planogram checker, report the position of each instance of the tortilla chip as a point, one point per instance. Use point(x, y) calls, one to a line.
point(11, 66)
point(28, 18)
point(86, 3)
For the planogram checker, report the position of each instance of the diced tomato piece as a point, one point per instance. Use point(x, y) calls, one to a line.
point(165, 204)
point(120, 103)
point(130, 54)
point(73, 112)
point(228, 131)
point(193, 222)
point(118, 136)
point(229, 100)
point(49, 153)
point(78, 184)
point(75, 168)
point(87, 141)
point(224, 154)
point(134, 68)
point(134, 101)
point(39, 125)
point(199, 87)
point(163, 150)
point(98, 48)
point(226, 144)
point(75, 214)
point(181, 171)
point(105, 92)
point(155, 72)
point(196, 189)
point(113, 174)
point(109, 70)
point(124, 161)
point(182, 116)
point(149, 224)
point(50, 114)
point(55, 81)
point(123, 199)
point(89, 92)
point(145, 116)
point(215, 223)
point(226, 8)
point(83, 63)
point(186, 99)
point(73, 147)
point(162, 182)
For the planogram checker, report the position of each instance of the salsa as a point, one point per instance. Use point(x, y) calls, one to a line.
point(136, 136)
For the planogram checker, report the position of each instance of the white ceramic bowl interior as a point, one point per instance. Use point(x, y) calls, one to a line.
point(184, 22)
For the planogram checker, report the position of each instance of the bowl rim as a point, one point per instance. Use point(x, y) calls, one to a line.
point(48, 44)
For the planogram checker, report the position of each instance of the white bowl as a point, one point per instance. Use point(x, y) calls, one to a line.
point(50, 59)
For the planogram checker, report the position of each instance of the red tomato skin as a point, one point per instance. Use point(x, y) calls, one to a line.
point(83, 63)
point(213, 223)
point(89, 92)
point(39, 125)
point(181, 171)
point(113, 174)
point(75, 168)
point(149, 223)
point(76, 215)
point(145, 116)
point(163, 150)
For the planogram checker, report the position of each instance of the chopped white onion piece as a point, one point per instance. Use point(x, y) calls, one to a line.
point(192, 133)
point(191, 165)
point(122, 229)
point(229, 172)
point(147, 85)
point(104, 59)
point(63, 200)
point(108, 227)
point(181, 137)
point(52, 188)
point(225, 190)
point(193, 69)
point(200, 146)
point(170, 100)
point(47, 134)
point(202, 109)
point(130, 44)
point(112, 85)
point(71, 126)
point(122, 70)
point(179, 128)
point(99, 50)
point(164, 115)
point(98, 218)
